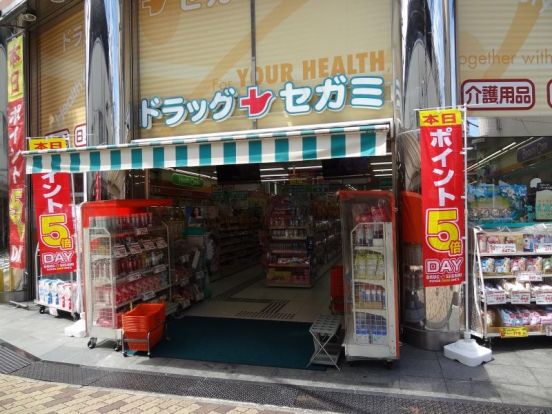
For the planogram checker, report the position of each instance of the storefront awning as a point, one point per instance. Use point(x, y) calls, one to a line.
point(265, 147)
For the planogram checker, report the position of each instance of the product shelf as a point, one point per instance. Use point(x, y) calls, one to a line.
point(488, 302)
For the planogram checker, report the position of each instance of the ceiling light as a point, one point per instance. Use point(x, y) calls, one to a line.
point(311, 167)
point(383, 170)
point(383, 175)
point(274, 175)
point(381, 163)
point(274, 180)
point(272, 169)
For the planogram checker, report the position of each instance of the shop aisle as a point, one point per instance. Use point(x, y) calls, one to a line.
point(246, 296)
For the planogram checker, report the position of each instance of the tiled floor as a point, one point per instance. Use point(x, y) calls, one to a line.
point(303, 304)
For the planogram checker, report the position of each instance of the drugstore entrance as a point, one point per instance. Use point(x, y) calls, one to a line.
point(252, 252)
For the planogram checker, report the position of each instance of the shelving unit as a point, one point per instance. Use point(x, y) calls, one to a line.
point(297, 248)
point(370, 279)
point(512, 283)
point(239, 245)
point(123, 267)
point(289, 248)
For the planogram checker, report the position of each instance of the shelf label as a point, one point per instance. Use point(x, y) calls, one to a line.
point(148, 244)
point(141, 231)
point(544, 248)
point(502, 248)
point(529, 277)
point(160, 243)
point(148, 295)
point(135, 248)
point(513, 332)
point(520, 298)
point(159, 268)
point(134, 276)
point(120, 250)
point(544, 298)
point(496, 298)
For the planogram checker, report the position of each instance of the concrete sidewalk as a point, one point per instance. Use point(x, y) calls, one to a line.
point(520, 373)
point(22, 396)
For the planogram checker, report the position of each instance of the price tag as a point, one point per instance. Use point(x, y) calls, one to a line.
point(529, 277)
point(159, 268)
point(513, 332)
point(544, 248)
point(148, 295)
point(148, 244)
point(141, 231)
point(119, 250)
point(520, 298)
point(502, 248)
point(160, 243)
point(134, 276)
point(496, 298)
point(53, 311)
point(544, 298)
point(135, 248)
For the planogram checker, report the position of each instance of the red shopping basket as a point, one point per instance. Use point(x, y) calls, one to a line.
point(144, 326)
point(336, 289)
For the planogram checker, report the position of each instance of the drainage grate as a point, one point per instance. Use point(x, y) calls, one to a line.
point(270, 311)
point(11, 361)
point(58, 372)
point(326, 400)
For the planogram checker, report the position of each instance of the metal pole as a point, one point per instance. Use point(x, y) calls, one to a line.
point(467, 334)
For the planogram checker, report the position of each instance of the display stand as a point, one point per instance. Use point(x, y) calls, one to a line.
point(370, 278)
point(56, 293)
point(512, 283)
point(125, 264)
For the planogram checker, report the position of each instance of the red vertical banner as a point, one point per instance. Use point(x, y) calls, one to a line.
point(54, 215)
point(443, 187)
point(16, 145)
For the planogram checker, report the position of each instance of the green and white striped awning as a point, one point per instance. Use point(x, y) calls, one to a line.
point(270, 147)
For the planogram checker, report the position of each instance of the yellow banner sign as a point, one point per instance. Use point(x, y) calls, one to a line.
point(15, 68)
point(440, 117)
point(514, 332)
point(37, 144)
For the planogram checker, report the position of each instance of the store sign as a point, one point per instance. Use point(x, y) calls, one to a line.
point(534, 149)
point(442, 201)
point(54, 214)
point(186, 180)
point(498, 94)
point(504, 56)
point(16, 144)
point(206, 84)
point(364, 92)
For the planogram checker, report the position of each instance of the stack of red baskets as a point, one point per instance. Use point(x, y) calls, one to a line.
point(143, 319)
point(336, 292)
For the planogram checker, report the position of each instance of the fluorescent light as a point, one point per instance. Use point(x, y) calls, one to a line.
point(311, 167)
point(274, 181)
point(272, 169)
point(381, 163)
point(275, 175)
point(383, 175)
point(384, 169)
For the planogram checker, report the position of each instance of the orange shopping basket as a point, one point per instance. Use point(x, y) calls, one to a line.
point(143, 327)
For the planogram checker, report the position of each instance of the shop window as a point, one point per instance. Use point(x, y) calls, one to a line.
point(510, 181)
